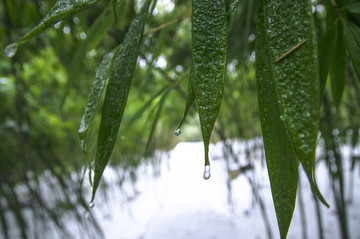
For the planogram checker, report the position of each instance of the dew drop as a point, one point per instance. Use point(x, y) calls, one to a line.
point(91, 205)
point(10, 50)
point(207, 174)
point(177, 132)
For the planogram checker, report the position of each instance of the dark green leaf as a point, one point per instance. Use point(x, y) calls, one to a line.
point(325, 49)
point(117, 92)
point(292, 43)
point(96, 90)
point(209, 37)
point(281, 159)
point(352, 38)
point(338, 65)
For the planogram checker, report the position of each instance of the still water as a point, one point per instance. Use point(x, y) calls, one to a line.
point(168, 198)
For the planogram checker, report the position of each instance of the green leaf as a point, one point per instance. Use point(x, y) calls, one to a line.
point(190, 98)
point(281, 159)
point(117, 93)
point(96, 90)
point(290, 34)
point(61, 10)
point(338, 65)
point(325, 49)
point(209, 36)
point(353, 7)
point(352, 38)
point(155, 121)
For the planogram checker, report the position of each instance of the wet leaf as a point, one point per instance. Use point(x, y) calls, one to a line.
point(281, 159)
point(96, 90)
point(61, 10)
point(117, 92)
point(338, 65)
point(209, 36)
point(291, 37)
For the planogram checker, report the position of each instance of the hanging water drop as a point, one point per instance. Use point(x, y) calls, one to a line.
point(177, 132)
point(207, 174)
point(10, 50)
point(91, 205)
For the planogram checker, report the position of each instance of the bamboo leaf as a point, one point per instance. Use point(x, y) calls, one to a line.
point(325, 49)
point(338, 65)
point(281, 159)
point(155, 121)
point(96, 90)
point(352, 38)
point(61, 10)
point(190, 98)
point(292, 43)
point(209, 36)
point(117, 92)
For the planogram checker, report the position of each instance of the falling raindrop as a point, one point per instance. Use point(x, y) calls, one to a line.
point(91, 205)
point(177, 132)
point(207, 172)
point(10, 50)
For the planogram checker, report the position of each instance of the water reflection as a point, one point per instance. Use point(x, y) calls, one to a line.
point(170, 199)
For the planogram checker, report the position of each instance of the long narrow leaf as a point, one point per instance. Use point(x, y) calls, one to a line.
point(338, 65)
point(61, 10)
point(117, 93)
point(190, 98)
point(291, 37)
point(325, 49)
point(281, 159)
point(352, 38)
point(96, 90)
point(209, 38)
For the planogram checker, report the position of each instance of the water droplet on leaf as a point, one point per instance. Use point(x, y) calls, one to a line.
point(91, 205)
point(207, 174)
point(10, 50)
point(177, 132)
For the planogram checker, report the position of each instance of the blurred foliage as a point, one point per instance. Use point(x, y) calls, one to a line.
point(44, 87)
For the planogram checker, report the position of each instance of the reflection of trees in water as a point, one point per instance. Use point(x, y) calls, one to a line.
point(48, 206)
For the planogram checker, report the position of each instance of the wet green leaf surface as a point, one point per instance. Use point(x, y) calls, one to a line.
point(296, 76)
point(117, 92)
point(209, 36)
point(281, 159)
point(96, 90)
point(288, 97)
